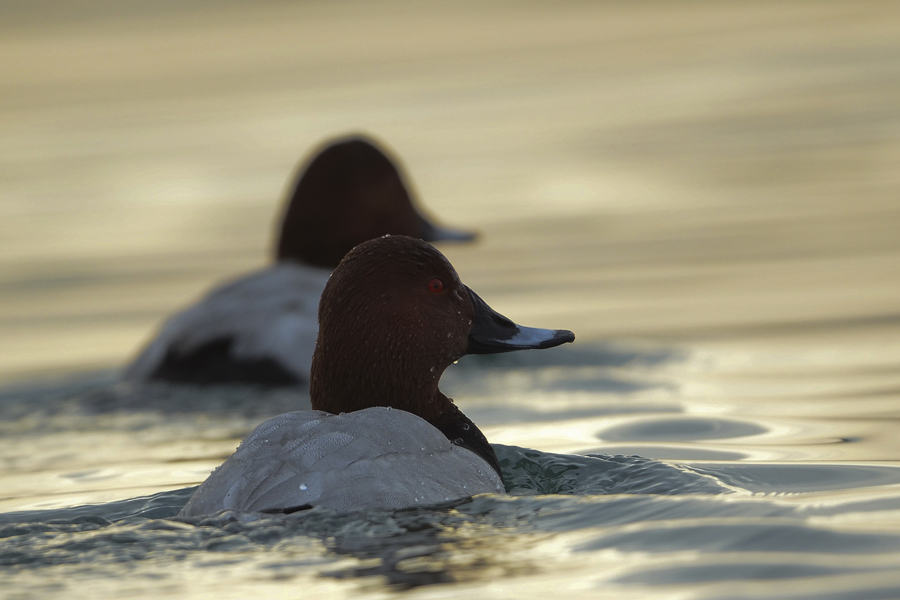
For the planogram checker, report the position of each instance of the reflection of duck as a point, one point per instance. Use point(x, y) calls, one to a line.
point(393, 317)
point(261, 328)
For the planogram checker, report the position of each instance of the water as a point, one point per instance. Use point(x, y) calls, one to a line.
point(661, 499)
point(705, 193)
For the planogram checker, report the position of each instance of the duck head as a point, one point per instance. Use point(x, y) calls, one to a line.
point(394, 315)
point(349, 192)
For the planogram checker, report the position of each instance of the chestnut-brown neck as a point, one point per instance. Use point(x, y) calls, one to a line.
point(358, 378)
point(386, 335)
point(357, 373)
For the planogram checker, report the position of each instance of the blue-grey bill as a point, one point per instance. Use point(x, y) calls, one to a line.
point(438, 233)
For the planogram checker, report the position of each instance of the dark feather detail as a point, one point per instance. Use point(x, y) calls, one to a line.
point(213, 363)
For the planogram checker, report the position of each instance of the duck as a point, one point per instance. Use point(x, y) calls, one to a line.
point(381, 435)
point(260, 328)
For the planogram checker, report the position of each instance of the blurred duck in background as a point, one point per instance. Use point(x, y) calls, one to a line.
point(261, 328)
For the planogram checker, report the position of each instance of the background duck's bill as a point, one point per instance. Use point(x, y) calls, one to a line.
point(431, 232)
point(493, 333)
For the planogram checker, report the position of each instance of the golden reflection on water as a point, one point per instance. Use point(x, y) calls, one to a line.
point(716, 180)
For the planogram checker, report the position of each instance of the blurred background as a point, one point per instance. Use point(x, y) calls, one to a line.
point(690, 172)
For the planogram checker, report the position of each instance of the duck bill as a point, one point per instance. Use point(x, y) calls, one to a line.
point(493, 333)
point(436, 233)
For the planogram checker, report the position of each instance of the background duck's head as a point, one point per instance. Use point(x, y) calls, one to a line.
point(349, 192)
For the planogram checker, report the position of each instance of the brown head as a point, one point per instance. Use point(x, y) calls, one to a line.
point(349, 192)
point(392, 318)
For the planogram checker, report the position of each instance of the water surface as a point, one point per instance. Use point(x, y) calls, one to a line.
point(706, 193)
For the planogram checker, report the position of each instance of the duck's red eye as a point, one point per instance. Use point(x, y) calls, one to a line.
point(436, 286)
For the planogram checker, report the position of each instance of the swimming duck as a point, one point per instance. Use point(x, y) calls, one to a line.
point(261, 327)
point(392, 318)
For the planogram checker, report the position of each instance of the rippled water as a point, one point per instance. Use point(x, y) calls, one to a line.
point(706, 193)
point(660, 498)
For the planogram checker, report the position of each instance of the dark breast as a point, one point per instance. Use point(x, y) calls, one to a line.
point(212, 363)
point(461, 431)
